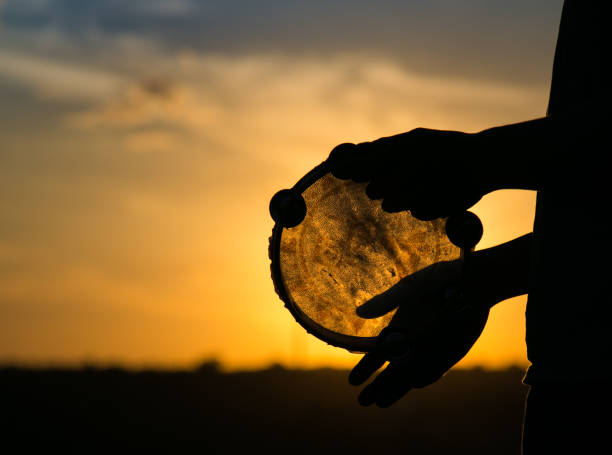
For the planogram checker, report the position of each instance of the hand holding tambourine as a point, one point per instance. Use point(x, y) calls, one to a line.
point(333, 249)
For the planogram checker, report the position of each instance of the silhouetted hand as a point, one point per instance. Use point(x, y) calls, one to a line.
point(439, 325)
point(432, 173)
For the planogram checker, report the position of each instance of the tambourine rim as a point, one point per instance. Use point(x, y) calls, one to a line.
point(348, 342)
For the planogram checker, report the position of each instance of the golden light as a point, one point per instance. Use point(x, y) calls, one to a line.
point(154, 248)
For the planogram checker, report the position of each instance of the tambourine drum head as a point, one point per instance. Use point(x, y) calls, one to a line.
point(348, 250)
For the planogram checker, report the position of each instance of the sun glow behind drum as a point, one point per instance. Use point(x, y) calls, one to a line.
point(333, 248)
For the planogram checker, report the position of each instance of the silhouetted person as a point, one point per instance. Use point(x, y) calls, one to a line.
point(562, 264)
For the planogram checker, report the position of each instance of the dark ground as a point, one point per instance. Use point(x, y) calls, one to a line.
point(270, 411)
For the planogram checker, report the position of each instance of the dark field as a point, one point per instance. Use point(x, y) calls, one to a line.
point(270, 411)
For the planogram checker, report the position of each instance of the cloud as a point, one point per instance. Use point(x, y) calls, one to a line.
point(52, 78)
point(149, 102)
point(152, 141)
point(470, 38)
point(168, 8)
point(286, 110)
point(267, 105)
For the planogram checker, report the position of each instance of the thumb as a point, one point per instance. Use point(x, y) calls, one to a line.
point(387, 301)
point(408, 291)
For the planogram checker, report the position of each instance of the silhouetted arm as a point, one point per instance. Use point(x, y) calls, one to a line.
point(496, 274)
point(435, 173)
point(500, 272)
point(514, 156)
point(539, 153)
point(439, 335)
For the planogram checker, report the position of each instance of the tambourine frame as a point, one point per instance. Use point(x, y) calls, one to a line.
point(463, 229)
point(348, 342)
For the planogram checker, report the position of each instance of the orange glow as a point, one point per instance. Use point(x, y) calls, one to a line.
point(148, 241)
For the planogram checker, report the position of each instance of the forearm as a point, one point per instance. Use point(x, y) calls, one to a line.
point(513, 156)
point(538, 153)
point(501, 272)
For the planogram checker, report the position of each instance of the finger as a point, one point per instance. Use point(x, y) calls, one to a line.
point(387, 388)
point(376, 189)
point(340, 160)
point(350, 161)
point(367, 366)
point(370, 392)
point(397, 386)
point(426, 213)
point(430, 204)
point(395, 202)
point(360, 165)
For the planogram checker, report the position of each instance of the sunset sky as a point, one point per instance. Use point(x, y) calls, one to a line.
point(141, 141)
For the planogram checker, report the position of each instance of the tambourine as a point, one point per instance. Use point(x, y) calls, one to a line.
point(332, 249)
